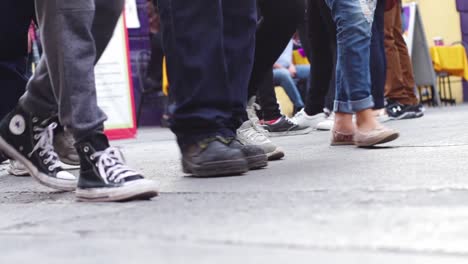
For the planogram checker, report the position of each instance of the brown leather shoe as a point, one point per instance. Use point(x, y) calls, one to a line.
point(342, 139)
point(374, 137)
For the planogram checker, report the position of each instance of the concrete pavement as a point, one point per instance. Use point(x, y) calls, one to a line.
point(406, 202)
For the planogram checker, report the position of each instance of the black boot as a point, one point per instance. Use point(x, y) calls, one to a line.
point(213, 157)
point(255, 155)
point(27, 138)
point(105, 178)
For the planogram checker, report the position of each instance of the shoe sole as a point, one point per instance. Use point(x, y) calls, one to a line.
point(69, 162)
point(275, 155)
point(407, 115)
point(216, 169)
point(291, 133)
point(384, 140)
point(338, 144)
point(18, 173)
point(54, 183)
point(138, 190)
point(257, 162)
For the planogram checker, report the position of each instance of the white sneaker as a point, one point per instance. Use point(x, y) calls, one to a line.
point(15, 168)
point(248, 135)
point(327, 124)
point(252, 108)
point(303, 119)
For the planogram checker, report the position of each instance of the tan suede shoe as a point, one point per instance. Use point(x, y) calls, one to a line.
point(374, 137)
point(341, 139)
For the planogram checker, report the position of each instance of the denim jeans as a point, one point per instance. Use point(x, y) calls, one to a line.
point(353, 19)
point(378, 61)
point(283, 78)
point(209, 46)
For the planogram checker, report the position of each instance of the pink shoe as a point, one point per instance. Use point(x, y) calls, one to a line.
point(374, 137)
point(342, 139)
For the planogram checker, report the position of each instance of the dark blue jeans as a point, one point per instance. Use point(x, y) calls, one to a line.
point(209, 46)
point(378, 60)
point(283, 78)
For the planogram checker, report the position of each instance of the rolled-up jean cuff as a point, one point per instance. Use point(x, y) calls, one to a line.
point(342, 107)
point(363, 104)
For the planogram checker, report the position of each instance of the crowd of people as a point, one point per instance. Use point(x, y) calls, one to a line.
point(224, 59)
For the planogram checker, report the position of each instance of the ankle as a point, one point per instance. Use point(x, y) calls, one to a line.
point(344, 123)
point(97, 139)
point(366, 120)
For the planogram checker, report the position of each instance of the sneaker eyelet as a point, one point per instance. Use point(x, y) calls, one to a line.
point(35, 119)
point(44, 161)
point(36, 137)
point(50, 168)
point(41, 153)
point(86, 149)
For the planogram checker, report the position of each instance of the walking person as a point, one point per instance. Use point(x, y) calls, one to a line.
point(278, 22)
point(353, 19)
point(15, 20)
point(319, 31)
point(209, 46)
point(402, 102)
point(74, 35)
point(322, 56)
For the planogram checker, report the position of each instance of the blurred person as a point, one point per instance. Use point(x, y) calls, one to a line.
point(378, 62)
point(353, 19)
point(209, 46)
point(74, 35)
point(286, 74)
point(277, 24)
point(15, 20)
point(319, 32)
point(322, 56)
point(154, 74)
point(402, 102)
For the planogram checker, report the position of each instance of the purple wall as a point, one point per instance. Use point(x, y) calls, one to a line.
point(462, 7)
point(140, 41)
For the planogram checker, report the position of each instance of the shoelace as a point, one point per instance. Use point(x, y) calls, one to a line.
point(255, 135)
point(290, 121)
point(110, 164)
point(298, 115)
point(45, 138)
point(252, 115)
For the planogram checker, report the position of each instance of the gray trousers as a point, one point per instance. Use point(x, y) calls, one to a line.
point(74, 35)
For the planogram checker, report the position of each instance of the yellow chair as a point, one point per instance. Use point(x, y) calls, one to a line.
point(286, 106)
point(298, 59)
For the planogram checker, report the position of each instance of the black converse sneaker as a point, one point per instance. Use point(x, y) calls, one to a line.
point(105, 178)
point(28, 139)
